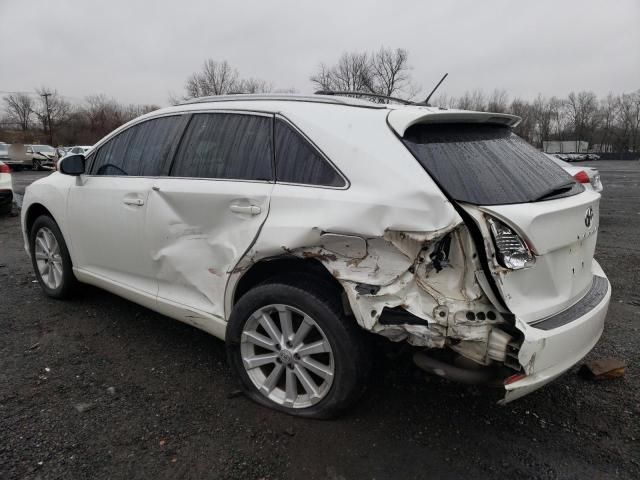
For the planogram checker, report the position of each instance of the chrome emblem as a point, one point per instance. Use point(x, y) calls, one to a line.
point(588, 217)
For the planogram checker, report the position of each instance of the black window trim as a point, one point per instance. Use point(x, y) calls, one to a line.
point(134, 123)
point(312, 144)
point(191, 113)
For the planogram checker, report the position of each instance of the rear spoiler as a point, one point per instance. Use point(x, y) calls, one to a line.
point(402, 118)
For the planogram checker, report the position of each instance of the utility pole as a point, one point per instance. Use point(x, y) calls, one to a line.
point(46, 96)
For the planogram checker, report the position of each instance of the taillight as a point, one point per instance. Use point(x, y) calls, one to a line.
point(4, 168)
point(511, 251)
point(581, 177)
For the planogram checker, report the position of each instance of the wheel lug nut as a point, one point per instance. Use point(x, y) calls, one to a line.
point(278, 347)
point(296, 356)
point(289, 344)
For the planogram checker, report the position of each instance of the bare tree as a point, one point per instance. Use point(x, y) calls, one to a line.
point(542, 116)
point(215, 78)
point(473, 101)
point(498, 101)
point(630, 120)
point(582, 111)
point(19, 107)
point(390, 72)
point(351, 73)
point(385, 72)
point(525, 128)
point(254, 85)
point(609, 108)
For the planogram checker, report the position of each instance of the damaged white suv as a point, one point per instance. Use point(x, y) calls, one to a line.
point(290, 226)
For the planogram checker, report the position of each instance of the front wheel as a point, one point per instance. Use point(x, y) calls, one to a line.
point(36, 165)
point(295, 351)
point(50, 258)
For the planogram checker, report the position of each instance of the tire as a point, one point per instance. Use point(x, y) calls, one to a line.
point(59, 261)
point(6, 209)
point(36, 165)
point(349, 357)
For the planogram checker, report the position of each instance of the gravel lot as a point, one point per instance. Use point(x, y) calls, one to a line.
point(101, 388)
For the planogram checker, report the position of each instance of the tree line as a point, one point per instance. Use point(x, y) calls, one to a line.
point(611, 123)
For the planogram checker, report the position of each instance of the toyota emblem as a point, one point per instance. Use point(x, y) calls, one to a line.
point(588, 217)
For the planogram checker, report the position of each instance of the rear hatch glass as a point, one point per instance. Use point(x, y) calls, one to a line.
point(485, 164)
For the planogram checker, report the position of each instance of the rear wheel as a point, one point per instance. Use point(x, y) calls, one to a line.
point(50, 258)
point(295, 351)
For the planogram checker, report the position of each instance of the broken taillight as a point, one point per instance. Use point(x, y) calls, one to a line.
point(514, 378)
point(581, 177)
point(512, 251)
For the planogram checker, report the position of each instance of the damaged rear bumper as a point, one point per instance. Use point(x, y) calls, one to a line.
point(553, 346)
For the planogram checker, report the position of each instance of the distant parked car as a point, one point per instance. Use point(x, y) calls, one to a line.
point(588, 176)
point(31, 156)
point(41, 155)
point(6, 189)
point(81, 149)
point(592, 156)
point(575, 157)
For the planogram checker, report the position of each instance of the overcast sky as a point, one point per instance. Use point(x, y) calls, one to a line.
point(139, 51)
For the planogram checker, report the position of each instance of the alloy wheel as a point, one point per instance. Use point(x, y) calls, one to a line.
point(287, 356)
point(48, 258)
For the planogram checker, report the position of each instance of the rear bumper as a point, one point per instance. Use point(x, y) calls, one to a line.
point(553, 346)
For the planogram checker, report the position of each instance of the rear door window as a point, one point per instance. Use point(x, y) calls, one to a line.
point(297, 161)
point(140, 150)
point(487, 164)
point(226, 146)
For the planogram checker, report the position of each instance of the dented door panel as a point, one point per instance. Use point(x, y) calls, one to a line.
point(197, 230)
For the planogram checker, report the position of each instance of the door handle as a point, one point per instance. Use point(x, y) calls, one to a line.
point(247, 209)
point(133, 201)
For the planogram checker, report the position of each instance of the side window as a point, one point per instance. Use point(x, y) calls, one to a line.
point(112, 156)
point(297, 161)
point(140, 150)
point(225, 145)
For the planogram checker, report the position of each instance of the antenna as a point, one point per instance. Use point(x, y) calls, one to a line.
point(426, 102)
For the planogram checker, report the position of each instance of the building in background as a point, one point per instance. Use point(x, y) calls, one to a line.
point(567, 146)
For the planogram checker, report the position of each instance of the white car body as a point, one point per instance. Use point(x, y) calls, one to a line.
point(595, 183)
point(150, 240)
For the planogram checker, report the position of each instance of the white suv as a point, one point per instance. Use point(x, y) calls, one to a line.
point(291, 226)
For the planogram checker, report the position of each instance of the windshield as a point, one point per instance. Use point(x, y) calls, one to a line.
point(487, 164)
point(43, 148)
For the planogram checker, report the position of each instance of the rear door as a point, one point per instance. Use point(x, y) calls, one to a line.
point(207, 213)
point(107, 207)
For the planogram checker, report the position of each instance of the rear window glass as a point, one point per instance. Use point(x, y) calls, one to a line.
point(487, 164)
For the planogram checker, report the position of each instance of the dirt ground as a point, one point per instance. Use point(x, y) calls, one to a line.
point(99, 387)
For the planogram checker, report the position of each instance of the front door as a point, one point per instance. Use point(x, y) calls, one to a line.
point(107, 208)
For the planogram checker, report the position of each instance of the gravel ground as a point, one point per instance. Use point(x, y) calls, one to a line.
point(99, 387)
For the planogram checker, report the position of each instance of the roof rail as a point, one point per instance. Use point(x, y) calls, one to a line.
point(366, 94)
point(282, 97)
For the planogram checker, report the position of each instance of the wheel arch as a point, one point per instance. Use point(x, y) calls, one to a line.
point(34, 211)
point(282, 267)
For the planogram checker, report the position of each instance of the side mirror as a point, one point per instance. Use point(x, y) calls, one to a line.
point(72, 165)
